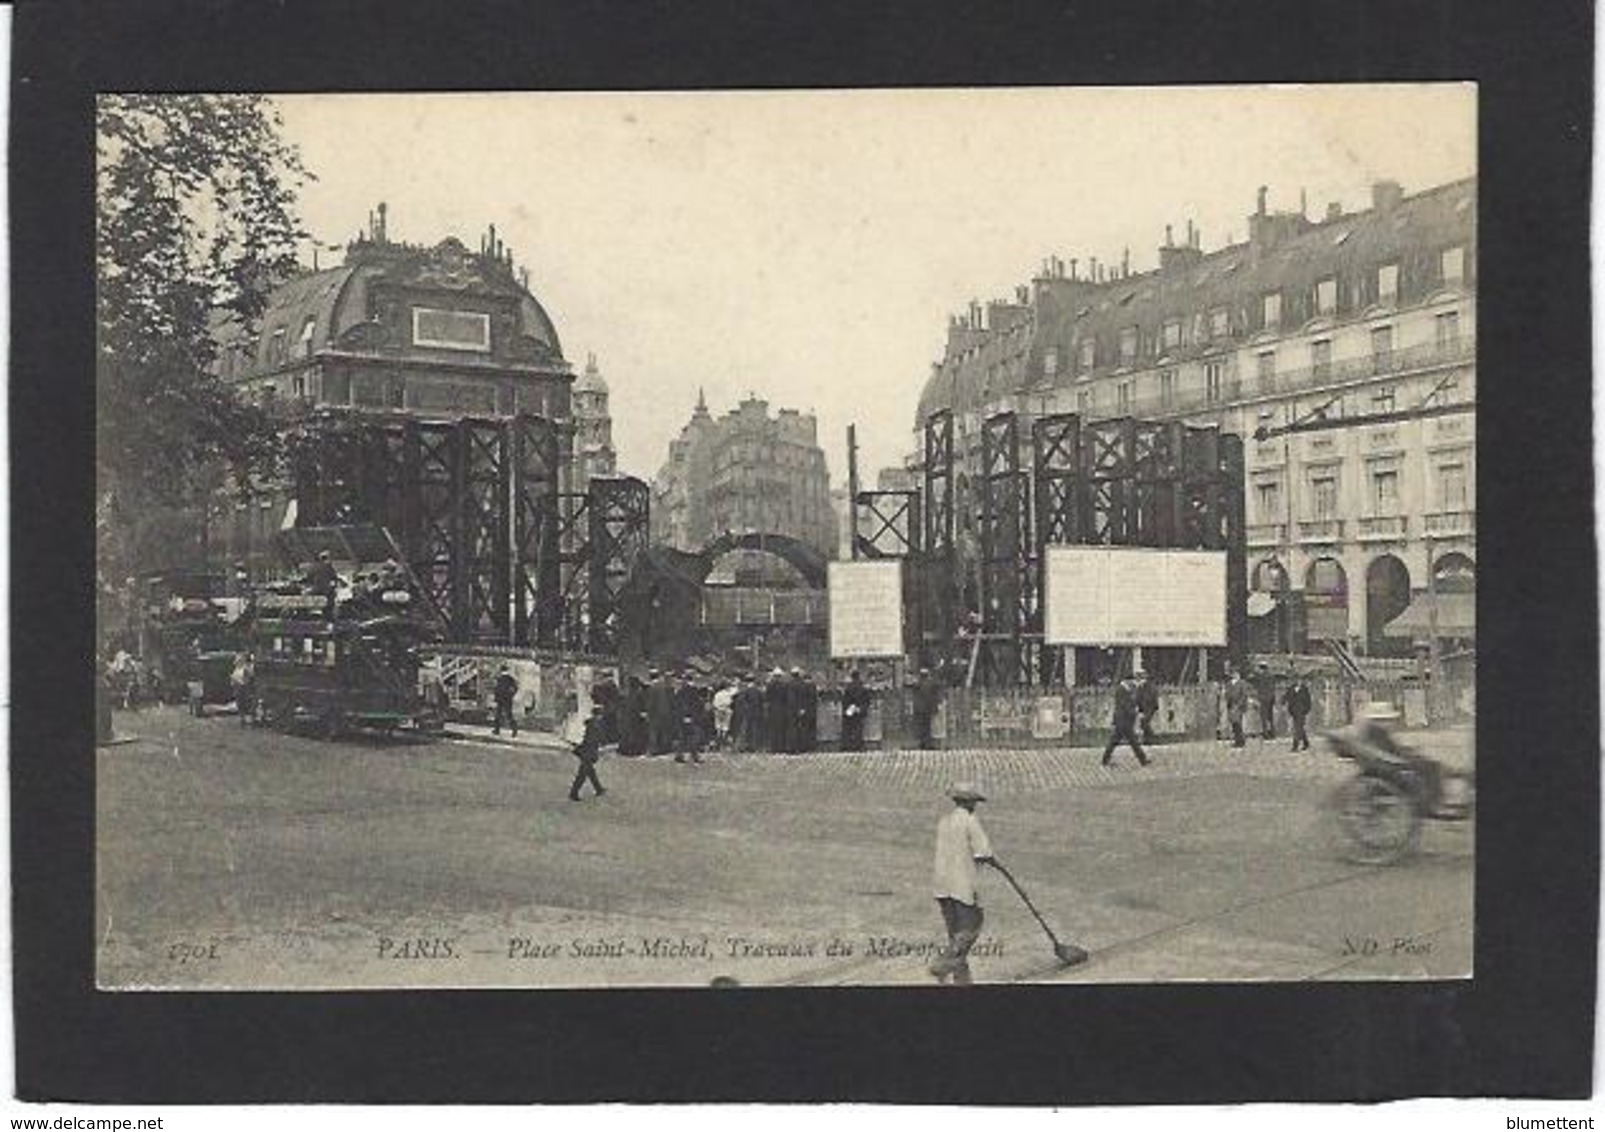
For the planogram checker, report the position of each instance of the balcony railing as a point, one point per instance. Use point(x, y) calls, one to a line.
point(1451, 523)
point(1234, 388)
point(1320, 530)
point(1266, 534)
point(1383, 527)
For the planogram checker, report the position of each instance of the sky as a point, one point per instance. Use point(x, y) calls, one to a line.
point(809, 246)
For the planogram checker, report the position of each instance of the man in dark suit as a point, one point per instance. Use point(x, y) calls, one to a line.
point(1265, 692)
point(1298, 702)
point(927, 700)
point(662, 714)
point(1125, 722)
point(777, 712)
point(1147, 705)
point(855, 712)
point(805, 709)
point(588, 750)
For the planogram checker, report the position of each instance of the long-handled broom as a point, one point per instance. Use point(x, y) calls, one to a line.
point(1068, 953)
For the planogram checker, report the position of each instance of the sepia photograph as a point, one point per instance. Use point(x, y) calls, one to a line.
point(790, 538)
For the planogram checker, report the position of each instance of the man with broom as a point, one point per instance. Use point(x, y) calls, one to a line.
point(960, 844)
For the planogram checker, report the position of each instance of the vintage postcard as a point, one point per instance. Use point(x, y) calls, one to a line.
point(789, 538)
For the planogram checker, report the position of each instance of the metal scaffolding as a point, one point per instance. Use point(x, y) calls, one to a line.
point(619, 509)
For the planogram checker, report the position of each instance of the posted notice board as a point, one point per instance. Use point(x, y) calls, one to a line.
point(866, 609)
point(1129, 595)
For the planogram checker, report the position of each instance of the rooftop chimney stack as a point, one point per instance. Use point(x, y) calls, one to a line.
point(1303, 203)
point(1075, 268)
point(382, 210)
point(1260, 209)
point(1334, 210)
point(1386, 195)
point(1168, 241)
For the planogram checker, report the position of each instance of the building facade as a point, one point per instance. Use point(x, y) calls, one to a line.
point(399, 329)
point(429, 331)
point(746, 471)
point(1342, 349)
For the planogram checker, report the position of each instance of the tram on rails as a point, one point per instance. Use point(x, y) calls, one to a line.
point(337, 647)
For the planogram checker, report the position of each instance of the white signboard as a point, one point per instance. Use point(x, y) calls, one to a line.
point(866, 609)
point(1130, 595)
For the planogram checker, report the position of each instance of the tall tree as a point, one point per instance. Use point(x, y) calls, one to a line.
point(195, 198)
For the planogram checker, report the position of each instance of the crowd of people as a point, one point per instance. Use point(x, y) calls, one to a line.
point(1261, 693)
point(685, 714)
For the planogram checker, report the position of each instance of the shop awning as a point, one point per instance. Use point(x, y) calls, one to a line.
point(1457, 617)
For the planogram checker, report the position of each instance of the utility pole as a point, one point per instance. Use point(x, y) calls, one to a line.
point(1434, 657)
point(852, 488)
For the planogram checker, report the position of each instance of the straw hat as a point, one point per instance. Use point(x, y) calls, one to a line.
point(965, 792)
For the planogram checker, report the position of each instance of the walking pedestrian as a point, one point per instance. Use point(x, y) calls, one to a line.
point(606, 693)
point(1236, 705)
point(927, 700)
point(1265, 692)
point(1125, 722)
point(505, 690)
point(855, 712)
point(1297, 700)
point(588, 750)
point(961, 844)
point(1147, 705)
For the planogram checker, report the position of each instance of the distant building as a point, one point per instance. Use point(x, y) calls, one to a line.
point(594, 454)
point(427, 331)
point(1342, 349)
point(744, 471)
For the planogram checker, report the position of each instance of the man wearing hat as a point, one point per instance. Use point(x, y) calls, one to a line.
point(960, 844)
point(777, 712)
point(1297, 701)
point(1147, 705)
point(1125, 722)
point(927, 702)
point(505, 689)
point(662, 714)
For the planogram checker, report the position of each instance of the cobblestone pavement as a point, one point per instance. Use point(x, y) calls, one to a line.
point(234, 856)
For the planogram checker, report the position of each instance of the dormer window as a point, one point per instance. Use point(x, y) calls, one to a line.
point(1219, 323)
point(1453, 264)
point(275, 352)
point(307, 327)
point(1089, 352)
point(1388, 283)
point(1326, 296)
point(1170, 333)
point(1272, 306)
point(1128, 345)
point(1050, 361)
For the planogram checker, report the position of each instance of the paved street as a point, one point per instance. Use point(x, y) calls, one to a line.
point(238, 857)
